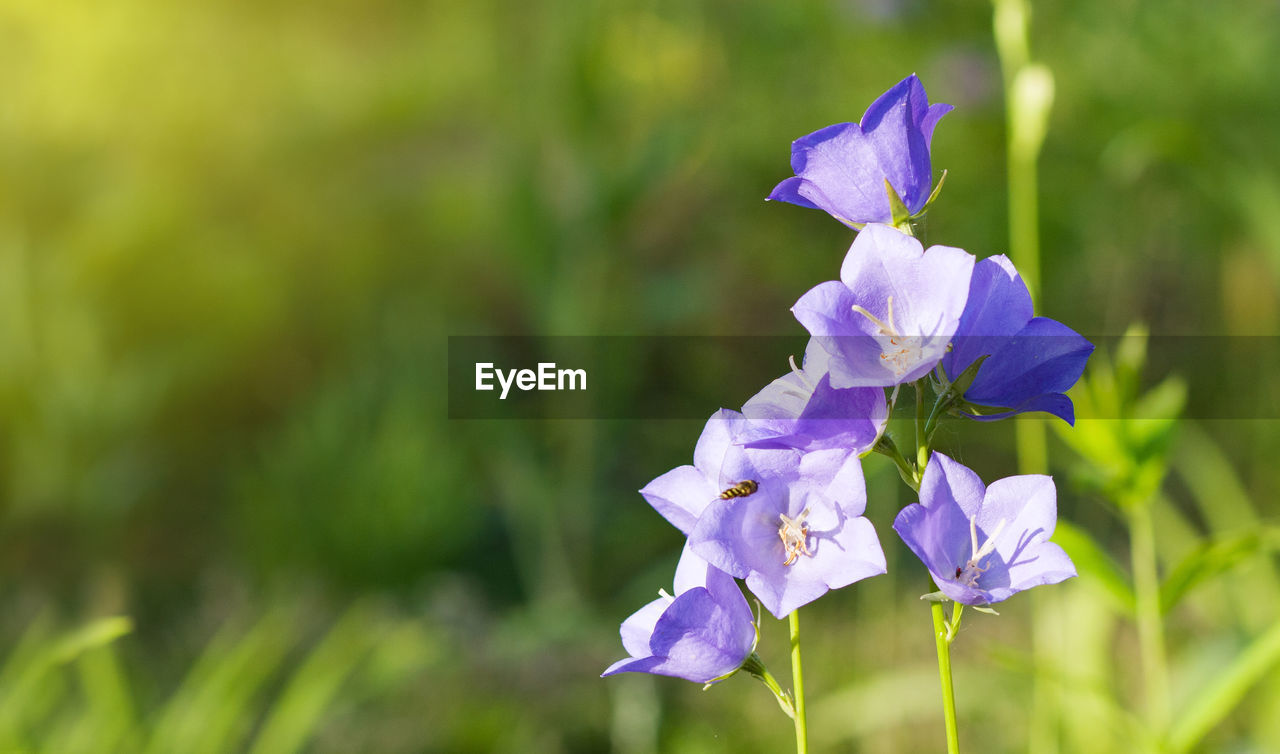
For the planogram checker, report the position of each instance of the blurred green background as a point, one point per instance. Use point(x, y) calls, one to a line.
point(234, 237)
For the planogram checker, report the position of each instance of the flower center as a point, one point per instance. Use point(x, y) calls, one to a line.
point(968, 573)
point(900, 353)
point(794, 533)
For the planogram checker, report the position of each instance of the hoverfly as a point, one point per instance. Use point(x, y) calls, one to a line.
point(741, 489)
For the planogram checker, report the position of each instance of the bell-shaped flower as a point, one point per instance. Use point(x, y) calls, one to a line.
point(892, 314)
point(794, 542)
point(720, 470)
point(842, 169)
point(1031, 361)
point(704, 633)
point(801, 410)
point(984, 544)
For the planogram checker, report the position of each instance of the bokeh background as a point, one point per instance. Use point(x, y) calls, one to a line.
point(234, 237)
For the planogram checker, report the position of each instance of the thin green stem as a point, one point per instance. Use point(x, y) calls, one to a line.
point(886, 446)
point(922, 440)
point(957, 609)
point(755, 666)
point(797, 686)
point(1146, 587)
point(942, 638)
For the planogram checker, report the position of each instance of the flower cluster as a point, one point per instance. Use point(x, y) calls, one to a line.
point(775, 495)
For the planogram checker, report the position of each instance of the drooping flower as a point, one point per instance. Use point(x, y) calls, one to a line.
point(794, 542)
point(842, 169)
point(720, 469)
point(704, 633)
point(801, 410)
point(1031, 360)
point(984, 544)
point(889, 318)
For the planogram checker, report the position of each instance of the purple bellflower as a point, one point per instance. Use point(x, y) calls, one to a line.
point(842, 169)
point(1031, 360)
point(793, 542)
point(801, 410)
point(720, 470)
point(702, 634)
point(984, 544)
point(892, 314)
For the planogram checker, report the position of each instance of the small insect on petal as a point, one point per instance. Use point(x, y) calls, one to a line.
point(741, 489)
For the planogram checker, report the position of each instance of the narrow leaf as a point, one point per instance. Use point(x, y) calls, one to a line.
point(1216, 700)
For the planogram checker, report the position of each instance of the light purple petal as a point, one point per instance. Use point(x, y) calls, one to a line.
point(1019, 513)
point(731, 533)
point(931, 119)
point(692, 571)
point(646, 664)
point(827, 310)
point(929, 534)
point(638, 627)
point(948, 482)
point(743, 539)
point(1050, 566)
point(803, 411)
point(715, 442)
point(701, 639)
point(836, 474)
point(1029, 506)
point(789, 191)
point(913, 300)
point(680, 495)
point(842, 173)
point(842, 168)
point(893, 127)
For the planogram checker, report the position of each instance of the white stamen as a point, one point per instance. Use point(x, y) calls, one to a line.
point(885, 329)
point(968, 573)
point(794, 534)
point(800, 373)
point(990, 545)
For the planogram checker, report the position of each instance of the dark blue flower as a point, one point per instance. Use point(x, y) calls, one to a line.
point(842, 169)
point(1031, 360)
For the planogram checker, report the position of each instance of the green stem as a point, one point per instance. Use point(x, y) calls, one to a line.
point(1146, 587)
point(797, 685)
point(755, 666)
point(941, 636)
point(886, 446)
point(922, 440)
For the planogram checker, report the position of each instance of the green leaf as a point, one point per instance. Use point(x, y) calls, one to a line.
point(1216, 699)
point(937, 189)
point(897, 209)
point(935, 597)
point(1212, 559)
point(299, 712)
